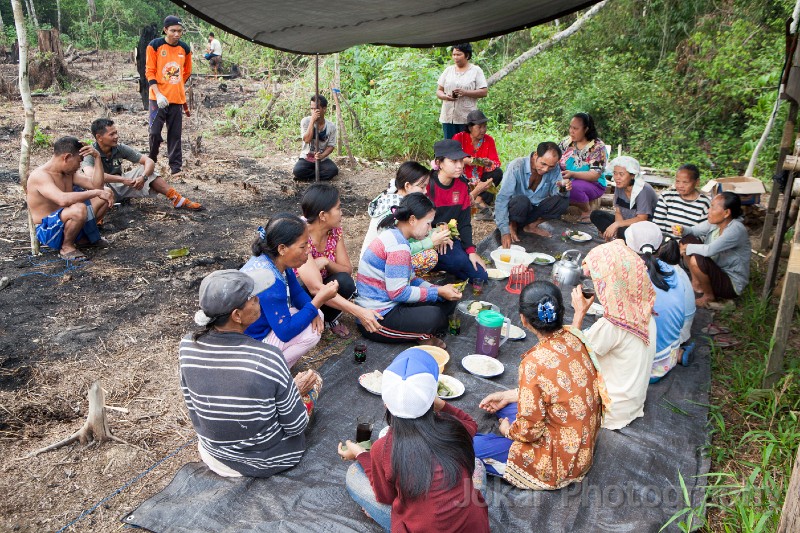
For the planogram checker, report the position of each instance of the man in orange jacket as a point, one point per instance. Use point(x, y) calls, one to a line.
point(168, 66)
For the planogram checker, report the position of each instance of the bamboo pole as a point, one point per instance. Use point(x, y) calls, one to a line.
point(30, 115)
point(316, 126)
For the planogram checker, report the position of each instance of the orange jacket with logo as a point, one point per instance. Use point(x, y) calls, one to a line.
point(168, 67)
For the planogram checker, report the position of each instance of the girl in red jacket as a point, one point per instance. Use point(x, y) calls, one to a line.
point(422, 475)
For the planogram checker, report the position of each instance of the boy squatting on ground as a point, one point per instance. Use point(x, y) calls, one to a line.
point(137, 183)
point(65, 203)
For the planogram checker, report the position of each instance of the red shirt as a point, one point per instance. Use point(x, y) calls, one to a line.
point(487, 150)
point(439, 510)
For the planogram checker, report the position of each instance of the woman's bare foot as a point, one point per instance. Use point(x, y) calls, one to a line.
point(433, 341)
point(703, 301)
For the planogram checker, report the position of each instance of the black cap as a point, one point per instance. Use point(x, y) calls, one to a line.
point(172, 20)
point(476, 116)
point(448, 148)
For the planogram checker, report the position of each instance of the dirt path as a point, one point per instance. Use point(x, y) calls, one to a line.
point(118, 317)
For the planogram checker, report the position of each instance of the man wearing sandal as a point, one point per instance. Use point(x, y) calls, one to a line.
point(65, 203)
point(141, 181)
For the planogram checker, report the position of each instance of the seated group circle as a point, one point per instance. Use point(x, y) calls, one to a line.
point(676, 251)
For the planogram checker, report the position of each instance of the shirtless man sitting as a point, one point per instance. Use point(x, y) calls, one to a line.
point(65, 203)
point(140, 182)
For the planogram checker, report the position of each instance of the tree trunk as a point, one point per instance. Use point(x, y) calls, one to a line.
point(27, 104)
point(92, 10)
point(2, 26)
point(58, 10)
point(147, 34)
point(541, 47)
point(32, 14)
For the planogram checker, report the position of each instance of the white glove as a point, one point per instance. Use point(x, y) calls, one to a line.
point(162, 101)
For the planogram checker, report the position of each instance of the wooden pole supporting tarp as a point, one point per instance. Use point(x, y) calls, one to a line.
point(316, 127)
point(786, 307)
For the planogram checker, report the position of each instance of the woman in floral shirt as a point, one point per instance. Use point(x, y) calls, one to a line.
point(328, 259)
point(583, 160)
point(548, 425)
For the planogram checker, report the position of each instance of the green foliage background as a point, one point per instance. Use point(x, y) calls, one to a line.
point(671, 81)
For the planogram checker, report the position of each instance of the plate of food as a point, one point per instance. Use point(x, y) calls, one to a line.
point(449, 387)
point(496, 273)
point(516, 333)
point(473, 307)
point(578, 236)
point(482, 365)
point(372, 381)
point(541, 259)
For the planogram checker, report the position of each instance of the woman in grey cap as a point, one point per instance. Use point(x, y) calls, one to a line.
point(248, 411)
point(482, 167)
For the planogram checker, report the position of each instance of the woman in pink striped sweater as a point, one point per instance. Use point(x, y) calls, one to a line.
point(413, 310)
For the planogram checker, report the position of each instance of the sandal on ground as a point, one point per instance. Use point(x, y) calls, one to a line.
point(713, 329)
point(725, 341)
point(339, 329)
point(434, 341)
point(688, 354)
point(74, 255)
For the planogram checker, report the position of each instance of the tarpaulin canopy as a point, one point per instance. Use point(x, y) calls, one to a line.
point(314, 26)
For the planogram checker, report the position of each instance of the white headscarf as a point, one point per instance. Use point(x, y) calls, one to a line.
point(633, 167)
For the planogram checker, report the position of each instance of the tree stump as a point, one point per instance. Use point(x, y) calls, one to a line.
point(48, 67)
point(147, 34)
point(95, 429)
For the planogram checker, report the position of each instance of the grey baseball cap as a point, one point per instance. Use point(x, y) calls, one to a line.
point(476, 116)
point(225, 290)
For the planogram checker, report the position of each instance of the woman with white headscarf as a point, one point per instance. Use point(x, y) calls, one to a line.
point(634, 199)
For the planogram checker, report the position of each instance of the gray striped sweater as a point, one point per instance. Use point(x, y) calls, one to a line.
point(243, 403)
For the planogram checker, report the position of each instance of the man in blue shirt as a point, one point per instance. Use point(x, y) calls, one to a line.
point(531, 192)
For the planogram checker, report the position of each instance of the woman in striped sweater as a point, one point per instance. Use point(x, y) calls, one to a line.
point(684, 206)
point(413, 310)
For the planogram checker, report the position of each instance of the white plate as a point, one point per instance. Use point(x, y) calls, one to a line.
point(464, 306)
point(496, 273)
point(581, 237)
point(517, 247)
point(540, 258)
point(362, 380)
point(595, 309)
point(474, 363)
point(516, 333)
point(453, 384)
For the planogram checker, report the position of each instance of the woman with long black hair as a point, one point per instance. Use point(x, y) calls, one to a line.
point(645, 239)
point(412, 309)
point(328, 259)
point(549, 424)
point(422, 475)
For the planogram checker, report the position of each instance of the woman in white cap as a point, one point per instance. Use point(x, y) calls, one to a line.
point(645, 239)
point(422, 475)
point(248, 411)
point(634, 199)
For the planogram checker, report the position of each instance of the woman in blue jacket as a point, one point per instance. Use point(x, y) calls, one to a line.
point(290, 319)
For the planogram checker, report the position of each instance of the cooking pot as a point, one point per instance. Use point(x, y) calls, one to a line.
point(566, 271)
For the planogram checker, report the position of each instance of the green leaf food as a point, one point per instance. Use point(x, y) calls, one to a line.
point(443, 390)
point(178, 252)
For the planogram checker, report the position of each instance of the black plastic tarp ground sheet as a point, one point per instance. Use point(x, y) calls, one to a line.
point(632, 486)
point(311, 26)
